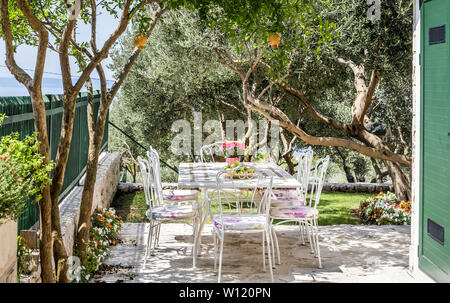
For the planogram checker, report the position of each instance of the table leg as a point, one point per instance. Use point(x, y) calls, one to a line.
point(203, 217)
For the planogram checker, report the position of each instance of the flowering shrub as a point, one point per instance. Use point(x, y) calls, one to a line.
point(23, 173)
point(384, 209)
point(103, 233)
point(23, 257)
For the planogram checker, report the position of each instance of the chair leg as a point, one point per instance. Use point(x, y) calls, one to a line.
point(263, 253)
point(271, 232)
point(313, 237)
point(215, 249)
point(302, 236)
point(316, 227)
point(149, 242)
point(266, 232)
point(276, 246)
point(159, 233)
point(220, 257)
point(309, 231)
point(194, 245)
point(153, 239)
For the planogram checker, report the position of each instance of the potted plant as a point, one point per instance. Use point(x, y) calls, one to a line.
point(232, 150)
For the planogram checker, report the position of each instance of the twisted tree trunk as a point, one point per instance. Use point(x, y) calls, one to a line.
point(45, 204)
point(348, 172)
point(402, 185)
point(96, 132)
point(34, 87)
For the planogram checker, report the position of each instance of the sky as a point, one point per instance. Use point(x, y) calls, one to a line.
point(26, 58)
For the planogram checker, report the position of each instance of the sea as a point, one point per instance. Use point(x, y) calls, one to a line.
point(10, 87)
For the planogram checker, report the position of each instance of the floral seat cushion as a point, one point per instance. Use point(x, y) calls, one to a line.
point(180, 195)
point(293, 212)
point(171, 212)
point(294, 202)
point(240, 222)
point(213, 191)
point(284, 192)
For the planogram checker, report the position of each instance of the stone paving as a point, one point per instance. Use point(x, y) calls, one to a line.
point(350, 253)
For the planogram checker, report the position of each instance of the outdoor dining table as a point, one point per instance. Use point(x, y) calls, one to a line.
point(203, 176)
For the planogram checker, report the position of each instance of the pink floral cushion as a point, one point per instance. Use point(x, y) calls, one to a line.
point(240, 222)
point(180, 195)
point(171, 212)
point(284, 192)
point(293, 212)
point(295, 202)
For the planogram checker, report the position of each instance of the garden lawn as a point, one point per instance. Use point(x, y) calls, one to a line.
point(334, 208)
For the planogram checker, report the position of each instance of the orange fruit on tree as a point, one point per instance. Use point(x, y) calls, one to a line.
point(140, 41)
point(274, 39)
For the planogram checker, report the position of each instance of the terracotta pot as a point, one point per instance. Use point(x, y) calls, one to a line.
point(232, 160)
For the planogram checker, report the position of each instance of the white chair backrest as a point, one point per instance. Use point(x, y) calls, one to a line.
point(147, 180)
point(153, 156)
point(153, 160)
point(207, 152)
point(267, 198)
point(228, 194)
point(304, 170)
point(320, 171)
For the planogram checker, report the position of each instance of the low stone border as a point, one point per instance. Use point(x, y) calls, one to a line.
point(108, 175)
point(358, 187)
point(128, 187)
point(327, 187)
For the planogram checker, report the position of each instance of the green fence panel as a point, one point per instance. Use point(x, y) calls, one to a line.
point(20, 119)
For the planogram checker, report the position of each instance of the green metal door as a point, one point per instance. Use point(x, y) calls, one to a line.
point(434, 249)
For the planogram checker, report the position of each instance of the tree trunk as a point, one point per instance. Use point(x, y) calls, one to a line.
point(402, 186)
point(45, 204)
point(59, 251)
point(378, 173)
point(96, 131)
point(291, 166)
point(383, 175)
point(347, 170)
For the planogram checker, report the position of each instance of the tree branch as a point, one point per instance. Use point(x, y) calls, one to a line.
point(126, 69)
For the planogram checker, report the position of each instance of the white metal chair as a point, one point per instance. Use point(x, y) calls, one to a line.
point(165, 206)
point(307, 215)
point(231, 214)
point(208, 152)
point(295, 197)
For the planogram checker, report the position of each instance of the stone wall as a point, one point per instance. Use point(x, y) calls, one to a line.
point(327, 187)
point(108, 176)
point(358, 187)
point(8, 251)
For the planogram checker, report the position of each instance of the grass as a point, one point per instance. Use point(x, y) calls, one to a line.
point(334, 208)
point(131, 207)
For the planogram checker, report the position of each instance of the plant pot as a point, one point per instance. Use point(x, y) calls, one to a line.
point(232, 160)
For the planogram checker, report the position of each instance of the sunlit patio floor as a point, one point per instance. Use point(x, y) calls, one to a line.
point(350, 253)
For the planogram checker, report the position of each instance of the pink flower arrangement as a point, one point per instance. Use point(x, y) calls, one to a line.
point(231, 150)
point(232, 160)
